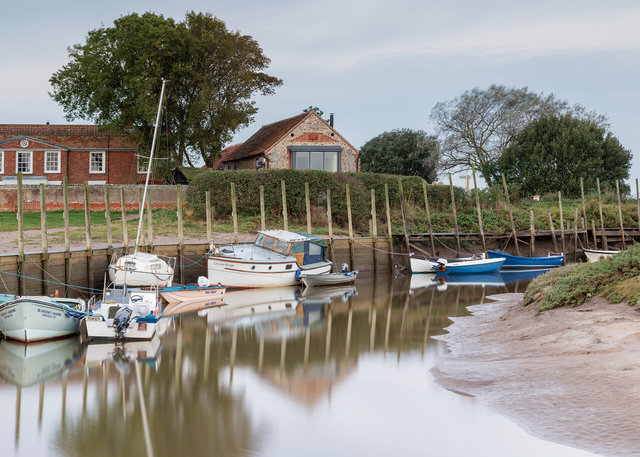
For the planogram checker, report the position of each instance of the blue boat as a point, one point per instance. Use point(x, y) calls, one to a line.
point(444, 268)
point(514, 262)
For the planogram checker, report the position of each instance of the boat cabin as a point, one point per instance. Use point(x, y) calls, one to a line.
point(306, 248)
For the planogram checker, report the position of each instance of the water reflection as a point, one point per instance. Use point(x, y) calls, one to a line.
point(265, 373)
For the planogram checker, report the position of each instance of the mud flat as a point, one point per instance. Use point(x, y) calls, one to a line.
point(569, 375)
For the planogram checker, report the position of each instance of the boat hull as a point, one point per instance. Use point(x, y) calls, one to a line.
point(329, 279)
point(471, 267)
point(235, 273)
point(422, 265)
point(596, 256)
point(181, 295)
point(513, 262)
point(94, 328)
point(31, 319)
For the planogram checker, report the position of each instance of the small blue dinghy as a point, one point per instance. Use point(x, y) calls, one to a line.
point(514, 262)
point(466, 267)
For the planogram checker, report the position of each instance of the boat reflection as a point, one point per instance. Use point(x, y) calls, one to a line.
point(442, 282)
point(511, 276)
point(24, 364)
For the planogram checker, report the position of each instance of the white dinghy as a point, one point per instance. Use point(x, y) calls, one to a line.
point(38, 318)
point(594, 255)
point(330, 279)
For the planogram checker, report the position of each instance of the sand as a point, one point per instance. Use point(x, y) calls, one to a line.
point(570, 375)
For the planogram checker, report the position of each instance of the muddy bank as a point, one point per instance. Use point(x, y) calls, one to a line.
point(566, 375)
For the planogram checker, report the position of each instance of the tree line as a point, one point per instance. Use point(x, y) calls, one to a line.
point(536, 141)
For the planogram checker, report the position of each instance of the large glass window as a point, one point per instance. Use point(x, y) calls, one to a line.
point(24, 162)
point(52, 162)
point(315, 160)
point(96, 162)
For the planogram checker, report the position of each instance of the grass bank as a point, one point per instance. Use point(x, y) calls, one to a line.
point(616, 278)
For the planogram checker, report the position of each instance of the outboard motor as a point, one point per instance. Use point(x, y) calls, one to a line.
point(345, 268)
point(121, 320)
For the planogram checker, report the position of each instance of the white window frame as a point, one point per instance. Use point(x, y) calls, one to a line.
point(141, 170)
point(104, 164)
point(30, 172)
point(46, 154)
point(2, 162)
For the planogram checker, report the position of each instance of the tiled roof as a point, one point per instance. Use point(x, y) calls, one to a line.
point(266, 137)
point(217, 165)
point(47, 129)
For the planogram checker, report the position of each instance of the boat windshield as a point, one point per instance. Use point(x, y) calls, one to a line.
point(260, 240)
point(282, 247)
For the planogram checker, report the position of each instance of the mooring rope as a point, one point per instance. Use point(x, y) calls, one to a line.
point(52, 282)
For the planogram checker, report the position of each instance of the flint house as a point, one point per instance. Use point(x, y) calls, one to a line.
point(302, 142)
point(48, 153)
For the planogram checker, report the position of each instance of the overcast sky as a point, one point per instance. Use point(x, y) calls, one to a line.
point(378, 65)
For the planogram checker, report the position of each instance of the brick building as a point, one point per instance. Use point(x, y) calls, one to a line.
point(47, 153)
point(302, 142)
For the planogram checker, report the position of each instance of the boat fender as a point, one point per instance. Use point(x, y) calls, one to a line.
point(441, 268)
point(298, 273)
point(203, 281)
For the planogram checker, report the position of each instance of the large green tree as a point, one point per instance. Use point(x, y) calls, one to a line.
point(114, 79)
point(402, 152)
point(476, 127)
point(554, 152)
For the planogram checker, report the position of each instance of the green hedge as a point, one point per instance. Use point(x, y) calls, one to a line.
point(248, 182)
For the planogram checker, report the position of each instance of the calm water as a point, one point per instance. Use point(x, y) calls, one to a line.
point(273, 373)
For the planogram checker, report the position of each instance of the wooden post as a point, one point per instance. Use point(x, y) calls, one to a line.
point(532, 229)
point(455, 216)
point(349, 220)
point(404, 217)
point(561, 221)
point(584, 212)
point(285, 216)
point(605, 243)
point(553, 232)
point(234, 212)
point(67, 244)
point(638, 202)
point(149, 223)
point(575, 234)
point(107, 216)
point(87, 232)
point(180, 232)
point(330, 226)
point(44, 257)
point(429, 226)
point(374, 229)
point(20, 216)
point(142, 241)
point(479, 211)
point(513, 225)
point(308, 203)
point(123, 209)
point(593, 231)
point(389, 231)
point(262, 218)
point(624, 244)
point(207, 198)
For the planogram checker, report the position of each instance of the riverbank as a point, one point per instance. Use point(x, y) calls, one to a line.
point(569, 375)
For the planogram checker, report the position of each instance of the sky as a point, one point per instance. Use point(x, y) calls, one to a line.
point(377, 65)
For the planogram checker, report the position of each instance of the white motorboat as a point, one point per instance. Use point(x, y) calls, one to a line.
point(25, 364)
point(123, 314)
point(38, 318)
point(276, 258)
point(595, 255)
point(141, 269)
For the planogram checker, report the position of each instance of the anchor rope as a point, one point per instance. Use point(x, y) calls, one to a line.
point(51, 282)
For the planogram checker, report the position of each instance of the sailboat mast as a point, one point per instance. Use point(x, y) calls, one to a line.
point(146, 183)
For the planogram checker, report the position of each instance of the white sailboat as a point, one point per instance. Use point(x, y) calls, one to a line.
point(127, 311)
point(142, 269)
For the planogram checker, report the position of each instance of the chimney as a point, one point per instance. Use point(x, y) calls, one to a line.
point(331, 120)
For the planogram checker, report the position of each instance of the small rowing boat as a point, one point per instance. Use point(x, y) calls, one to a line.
point(329, 279)
point(445, 267)
point(515, 262)
point(595, 255)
